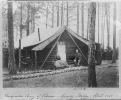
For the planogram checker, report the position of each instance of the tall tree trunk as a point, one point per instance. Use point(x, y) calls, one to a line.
point(53, 15)
point(33, 23)
point(88, 24)
point(47, 15)
point(62, 14)
point(82, 19)
point(6, 44)
point(77, 18)
point(98, 24)
point(11, 63)
point(20, 39)
point(16, 33)
point(57, 14)
point(67, 14)
point(108, 25)
point(114, 35)
point(102, 28)
point(91, 58)
point(31, 19)
point(32, 8)
point(28, 8)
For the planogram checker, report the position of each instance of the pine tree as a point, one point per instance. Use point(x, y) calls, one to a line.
point(102, 28)
point(52, 14)
point(107, 13)
point(98, 24)
point(67, 13)
point(91, 58)
point(77, 18)
point(28, 9)
point(57, 14)
point(20, 39)
point(33, 12)
point(88, 24)
point(11, 63)
point(47, 15)
point(82, 19)
point(114, 35)
point(62, 14)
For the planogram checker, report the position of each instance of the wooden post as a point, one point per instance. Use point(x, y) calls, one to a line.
point(19, 55)
point(35, 59)
point(26, 54)
point(38, 34)
point(50, 51)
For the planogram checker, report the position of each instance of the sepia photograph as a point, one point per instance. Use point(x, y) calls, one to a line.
point(60, 44)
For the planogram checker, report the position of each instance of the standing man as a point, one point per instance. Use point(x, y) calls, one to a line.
point(78, 57)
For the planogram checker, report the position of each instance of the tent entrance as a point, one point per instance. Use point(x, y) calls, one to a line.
point(61, 47)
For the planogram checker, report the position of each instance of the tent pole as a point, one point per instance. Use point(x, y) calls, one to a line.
point(50, 52)
point(78, 47)
point(31, 58)
point(25, 54)
point(35, 59)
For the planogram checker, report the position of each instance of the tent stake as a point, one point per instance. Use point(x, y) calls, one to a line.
point(50, 51)
point(78, 47)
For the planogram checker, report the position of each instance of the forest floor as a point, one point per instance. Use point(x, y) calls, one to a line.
point(107, 75)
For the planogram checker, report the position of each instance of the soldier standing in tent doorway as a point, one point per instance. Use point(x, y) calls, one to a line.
point(77, 59)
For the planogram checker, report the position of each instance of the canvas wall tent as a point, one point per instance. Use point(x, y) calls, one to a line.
point(52, 42)
point(62, 40)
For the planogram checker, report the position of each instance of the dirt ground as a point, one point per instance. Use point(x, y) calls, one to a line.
point(106, 77)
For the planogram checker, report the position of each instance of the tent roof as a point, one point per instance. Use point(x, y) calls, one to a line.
point(46, 37)
point(43, 44)
point(33, 38)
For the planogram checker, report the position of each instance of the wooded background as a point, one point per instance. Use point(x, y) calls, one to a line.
point(33, 15)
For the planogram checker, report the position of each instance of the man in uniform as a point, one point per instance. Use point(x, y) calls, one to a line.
point(78, 57)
